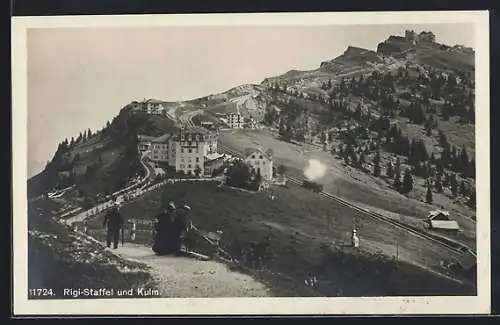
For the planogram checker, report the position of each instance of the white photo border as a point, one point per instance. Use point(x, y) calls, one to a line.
point(479, 304)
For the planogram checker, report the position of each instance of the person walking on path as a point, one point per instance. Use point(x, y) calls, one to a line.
point(113, 223)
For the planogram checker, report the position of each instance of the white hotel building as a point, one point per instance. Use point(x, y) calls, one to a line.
point(188, 150)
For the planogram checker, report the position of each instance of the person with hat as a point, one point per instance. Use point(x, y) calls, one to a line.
point(113, 223)
point(184, 225)
point(164, 240)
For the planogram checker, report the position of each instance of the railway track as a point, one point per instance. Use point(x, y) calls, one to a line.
point(448, 244)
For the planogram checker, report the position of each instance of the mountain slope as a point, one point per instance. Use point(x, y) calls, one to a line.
point(398, 79)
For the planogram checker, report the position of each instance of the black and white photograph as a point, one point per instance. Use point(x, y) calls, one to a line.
point(300, 162)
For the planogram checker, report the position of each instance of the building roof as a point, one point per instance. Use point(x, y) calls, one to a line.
point(193, 131)
point(162, 139)
point(142, 137)
point(268, 154)
point(439, 215)
point(445, 224)
point(213, 156)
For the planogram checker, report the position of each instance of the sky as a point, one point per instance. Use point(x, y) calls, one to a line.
point(79, 78)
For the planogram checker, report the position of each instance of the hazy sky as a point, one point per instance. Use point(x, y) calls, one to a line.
point(79, 78)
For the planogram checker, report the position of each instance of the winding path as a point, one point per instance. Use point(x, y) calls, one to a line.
point(183, 277)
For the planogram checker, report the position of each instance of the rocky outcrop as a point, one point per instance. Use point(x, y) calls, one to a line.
point(395, 46)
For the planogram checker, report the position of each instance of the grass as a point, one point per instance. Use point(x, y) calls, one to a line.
point(299, 224)
point(59, 258)
point(348, 182)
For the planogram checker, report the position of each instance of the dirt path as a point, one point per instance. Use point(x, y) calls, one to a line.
point(182, 277)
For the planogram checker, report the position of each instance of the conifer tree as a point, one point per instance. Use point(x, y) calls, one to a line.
point(390, 170)
point(376, 162)
point(453, 184)
point(428, 196)
point(397, 168)
point(472, 199)
point(397, 181)
point(362, 159)
point(463, 188)
point(438, 184)
point(407, 182)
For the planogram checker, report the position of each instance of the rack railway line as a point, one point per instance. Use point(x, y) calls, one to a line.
point(449, 244)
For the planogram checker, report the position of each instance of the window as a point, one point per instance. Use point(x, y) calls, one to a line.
point(253, 156)
point(197, 159)
point(260, 157)
point(181, 166)
point(189, 166)
point(190, 151)
point(182, 150)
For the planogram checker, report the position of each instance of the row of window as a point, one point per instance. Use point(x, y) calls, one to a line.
point(189, 159)
point(182, 166)
point(190, 150)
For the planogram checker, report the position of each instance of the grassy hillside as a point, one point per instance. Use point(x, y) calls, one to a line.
point(300, 226)
point(102, 162)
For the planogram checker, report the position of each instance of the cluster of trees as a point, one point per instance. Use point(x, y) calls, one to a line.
point(271, 116)
point(456, 89)
point(243, 176)
point(293, 123)
point(444, 171)
point(451, 156)
point(82, 137)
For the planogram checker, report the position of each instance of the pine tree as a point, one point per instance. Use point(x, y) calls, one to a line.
point(354, 158)
point(397, 168)
point(464, 160)
point(438, 184)
point(362, 159)
point(390, 170)
point(472, 199)
point(433, 158)
point(397, 182)
point(463, 188)
point(446, 180)
point(407, 182)
point(346, 157)
point(471, 169)
point(428, 196)
point(376, 162)
point(453, 184)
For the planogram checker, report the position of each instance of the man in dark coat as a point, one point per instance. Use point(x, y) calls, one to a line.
point(113, 222)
